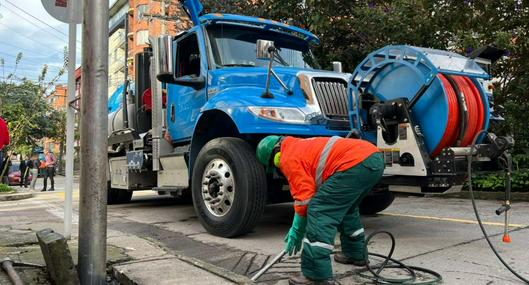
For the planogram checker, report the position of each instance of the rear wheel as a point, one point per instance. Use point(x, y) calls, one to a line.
point(377, 200)
point(228, 187)
point(117, 196)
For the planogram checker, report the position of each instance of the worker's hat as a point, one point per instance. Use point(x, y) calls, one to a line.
point(265, 151)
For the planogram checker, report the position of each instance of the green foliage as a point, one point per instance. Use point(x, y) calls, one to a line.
point(521, 160)
point(29, 116)
point(496, 181)
point(5, 188)
point(23, 104)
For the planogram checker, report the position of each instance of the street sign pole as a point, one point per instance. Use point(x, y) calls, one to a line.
point(70, 121)
point(94, 164)
point(68, 11)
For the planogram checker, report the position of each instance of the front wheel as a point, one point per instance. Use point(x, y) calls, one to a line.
point(228, 187)
point(377, 200)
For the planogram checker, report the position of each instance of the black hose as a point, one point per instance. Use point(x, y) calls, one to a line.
point(390, 262)
point(478, 217)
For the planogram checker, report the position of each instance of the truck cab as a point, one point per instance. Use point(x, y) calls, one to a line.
point(218, 82)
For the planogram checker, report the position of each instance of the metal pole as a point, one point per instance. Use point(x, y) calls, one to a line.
point(70, 120)
point(94, 164)
point(157, 120)
point(266, 267)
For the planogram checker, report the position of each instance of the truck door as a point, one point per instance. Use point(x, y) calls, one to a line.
point(184, 103)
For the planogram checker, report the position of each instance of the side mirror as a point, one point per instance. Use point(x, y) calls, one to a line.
point(163, 46)
point(195, 82)
point(265, 49)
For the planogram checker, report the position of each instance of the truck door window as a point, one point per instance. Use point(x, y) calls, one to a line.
point(188, 57)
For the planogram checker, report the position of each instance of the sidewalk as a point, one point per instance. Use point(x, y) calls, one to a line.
point(131, 259)
point(149, 264)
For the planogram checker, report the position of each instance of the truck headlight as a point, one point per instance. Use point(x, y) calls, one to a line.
point(280, 114)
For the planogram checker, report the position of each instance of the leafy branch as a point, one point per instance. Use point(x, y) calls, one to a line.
point(24, 106)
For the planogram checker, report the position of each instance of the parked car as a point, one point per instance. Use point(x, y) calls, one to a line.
point(15, 175)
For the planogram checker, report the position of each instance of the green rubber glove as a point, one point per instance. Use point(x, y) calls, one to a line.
point(295, 235)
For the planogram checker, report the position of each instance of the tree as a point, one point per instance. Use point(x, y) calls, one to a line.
point(24, 106)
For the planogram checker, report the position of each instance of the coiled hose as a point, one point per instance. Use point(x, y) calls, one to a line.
point(390, 262)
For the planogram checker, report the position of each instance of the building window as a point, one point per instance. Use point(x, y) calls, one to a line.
point(141, 10)
point(142, 37)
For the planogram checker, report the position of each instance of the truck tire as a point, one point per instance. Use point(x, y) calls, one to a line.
point(117, 196)
point(228, 187)
point(377, 200)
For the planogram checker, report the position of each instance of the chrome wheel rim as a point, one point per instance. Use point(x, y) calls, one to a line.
point(218, 187)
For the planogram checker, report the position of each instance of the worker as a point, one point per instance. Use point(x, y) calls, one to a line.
point(328, 179)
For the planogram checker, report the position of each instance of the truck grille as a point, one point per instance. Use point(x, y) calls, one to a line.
point(332, 97)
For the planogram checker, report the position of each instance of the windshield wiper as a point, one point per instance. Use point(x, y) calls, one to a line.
point(279, 59)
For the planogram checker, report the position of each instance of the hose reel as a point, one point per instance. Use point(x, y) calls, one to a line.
point(444, 90)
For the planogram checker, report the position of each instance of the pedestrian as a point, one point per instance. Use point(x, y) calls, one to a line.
point(49, 172)
point(328, 178)
point(24, 171)
point(34, 164)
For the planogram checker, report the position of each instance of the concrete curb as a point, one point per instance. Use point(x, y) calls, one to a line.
point(123, 278)
point(483, 195)
point(15, 196)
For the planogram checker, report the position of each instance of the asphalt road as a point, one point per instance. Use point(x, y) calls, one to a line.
point(436, 233)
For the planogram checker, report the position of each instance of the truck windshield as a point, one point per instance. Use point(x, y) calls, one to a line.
point(234, 45)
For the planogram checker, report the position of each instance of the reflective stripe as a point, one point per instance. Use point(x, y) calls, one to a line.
point(301, 203)
point(319, 244)
point(358, 232)
point(323, 160)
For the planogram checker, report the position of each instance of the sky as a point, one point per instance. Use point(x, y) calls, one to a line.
point(39, 43)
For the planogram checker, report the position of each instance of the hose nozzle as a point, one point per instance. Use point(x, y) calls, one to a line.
point(504, 208)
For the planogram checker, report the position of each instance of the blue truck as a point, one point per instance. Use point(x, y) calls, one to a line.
point(203, 99)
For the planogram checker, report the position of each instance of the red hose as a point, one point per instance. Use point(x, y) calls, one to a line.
point(475, 108)
point(454, 118)
point(476, 112)
point(481, 104)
